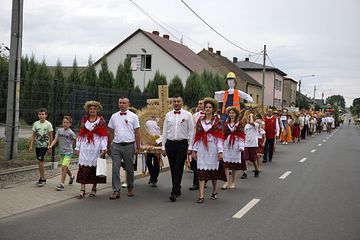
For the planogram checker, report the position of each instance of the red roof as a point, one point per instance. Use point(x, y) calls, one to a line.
point(179, 52)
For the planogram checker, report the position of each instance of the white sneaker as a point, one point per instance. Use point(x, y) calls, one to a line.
point(124, 185)
point(60, 187)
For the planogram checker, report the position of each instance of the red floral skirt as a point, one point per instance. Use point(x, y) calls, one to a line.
point(233, 166)
point(207, 175)
point(87, 175)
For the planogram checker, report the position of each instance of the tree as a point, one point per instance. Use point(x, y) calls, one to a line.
point(90, 77)
point(106, 78)
point(28, 91)
point(193, 90)
point(176, 87)
point(124, 80)
point(43, 91)
point(336, 100)
point(211, 83)
point(57, 89)
point(151, 90)
point(75, 77)
point(355, 108)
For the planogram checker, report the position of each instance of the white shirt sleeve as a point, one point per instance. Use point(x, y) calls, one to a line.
point(245, 96)
point(104, 141)
point(191, 131)
point(219, 96)
point(277, 127)
point(165, 127)
point(241, 145)
point(220, 146)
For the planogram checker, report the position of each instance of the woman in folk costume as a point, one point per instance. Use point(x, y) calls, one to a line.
point(208, 149)
point(234, 138)
point(91, 143)
point(286, 136)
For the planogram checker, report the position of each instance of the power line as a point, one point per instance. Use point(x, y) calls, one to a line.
point(157, 21)
point(154, 20)
point(228, 40)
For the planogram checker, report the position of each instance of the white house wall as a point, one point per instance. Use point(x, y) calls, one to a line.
point(160, 60)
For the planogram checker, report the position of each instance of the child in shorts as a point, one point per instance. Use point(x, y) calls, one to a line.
point(66, 139)
point(42, 137)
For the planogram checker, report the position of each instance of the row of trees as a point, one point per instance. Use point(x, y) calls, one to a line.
point(355, 108)
point(43, 86)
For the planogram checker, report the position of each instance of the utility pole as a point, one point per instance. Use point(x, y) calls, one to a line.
point(13, 98)
point(263, 77)
point(299, 97)
point(314, 95)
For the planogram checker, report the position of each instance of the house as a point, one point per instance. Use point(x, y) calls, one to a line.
point(273, 89)
point(289, 92)
point(223, 65)
point(150, 52)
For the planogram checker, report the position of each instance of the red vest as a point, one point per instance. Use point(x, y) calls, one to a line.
point(270, 127)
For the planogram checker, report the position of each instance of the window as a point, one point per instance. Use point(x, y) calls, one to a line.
point(135, 61)
point(278, 84)
point(145, 63)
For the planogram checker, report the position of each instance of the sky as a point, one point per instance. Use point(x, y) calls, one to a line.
point(303, 38)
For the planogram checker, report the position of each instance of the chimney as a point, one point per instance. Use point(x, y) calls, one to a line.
point(166, 36)
point(156, 33)
point(210, 49)
point(218, 52)
point(247, 59)
point(234, 59)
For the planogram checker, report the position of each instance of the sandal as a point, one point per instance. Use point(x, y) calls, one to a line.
point(200, 200)
point(81, 194)
point(214, 196)
point(93, 192)
point(115, 195)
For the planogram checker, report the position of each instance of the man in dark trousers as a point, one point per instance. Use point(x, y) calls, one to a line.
point(272, 131)
point(178, 134)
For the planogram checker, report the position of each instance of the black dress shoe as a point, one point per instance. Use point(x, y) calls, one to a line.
point(194, 187)
point(178, 194)
point(172, 197)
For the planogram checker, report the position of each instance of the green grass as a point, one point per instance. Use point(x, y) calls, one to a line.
point(23, 157)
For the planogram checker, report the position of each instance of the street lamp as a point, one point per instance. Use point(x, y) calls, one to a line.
point(144, 68)
point(312, 75)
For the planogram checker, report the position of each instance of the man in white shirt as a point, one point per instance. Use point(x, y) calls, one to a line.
point(124, 133)
point(178, 135)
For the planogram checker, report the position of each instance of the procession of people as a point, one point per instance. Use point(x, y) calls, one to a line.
point(219, 144)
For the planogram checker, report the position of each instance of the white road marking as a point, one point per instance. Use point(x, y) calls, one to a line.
point(303, 159)
point(327, 138)
point(314, 150)
point(285, 175)
point(246, 208)
point(324, 140)
point(319, 144)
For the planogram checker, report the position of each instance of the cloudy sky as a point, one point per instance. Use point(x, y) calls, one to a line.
point(303, 37)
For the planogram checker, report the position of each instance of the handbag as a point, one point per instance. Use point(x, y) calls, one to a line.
point(101, 169)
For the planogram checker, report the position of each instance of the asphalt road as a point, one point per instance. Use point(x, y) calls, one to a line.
point(310, 191)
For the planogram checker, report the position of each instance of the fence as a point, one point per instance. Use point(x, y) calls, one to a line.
point(62, 98)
